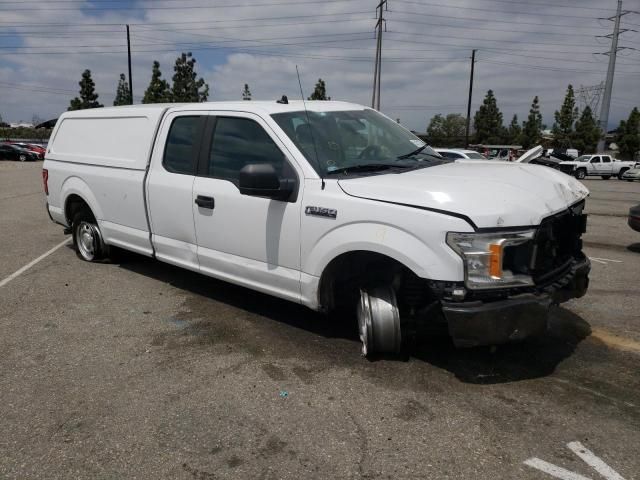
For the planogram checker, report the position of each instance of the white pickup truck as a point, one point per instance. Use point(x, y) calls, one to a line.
point(330, 205)
point(595, 165)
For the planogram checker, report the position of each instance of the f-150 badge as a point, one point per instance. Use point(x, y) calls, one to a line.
point(321, 212)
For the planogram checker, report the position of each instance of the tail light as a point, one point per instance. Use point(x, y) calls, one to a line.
point(45, 180)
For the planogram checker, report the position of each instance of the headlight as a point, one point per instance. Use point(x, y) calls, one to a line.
point(483, 255)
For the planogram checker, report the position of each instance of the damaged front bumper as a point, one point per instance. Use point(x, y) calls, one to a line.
point(516, 316)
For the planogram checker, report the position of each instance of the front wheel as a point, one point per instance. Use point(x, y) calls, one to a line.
point(22, 158)
point(581, 174)
point(379, 321)
point(87, 238)
point(621, 173)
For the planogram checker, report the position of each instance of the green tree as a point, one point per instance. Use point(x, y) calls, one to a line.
point(532, 127)
point(487, 121)
point(123, 95)
point(514, 131)
point(246, 93)
point(447, 131)
point(88, 96)
point(564, 120)
point(186, 86)
point(158, 89)
point(628, 136)
point(320, 91)
point(587, 133)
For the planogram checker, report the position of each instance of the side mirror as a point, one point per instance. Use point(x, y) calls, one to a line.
point(261, 180)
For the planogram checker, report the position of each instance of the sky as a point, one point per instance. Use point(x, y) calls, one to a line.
point(525, 48)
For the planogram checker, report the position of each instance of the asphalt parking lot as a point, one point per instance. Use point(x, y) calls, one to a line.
point(136, 369)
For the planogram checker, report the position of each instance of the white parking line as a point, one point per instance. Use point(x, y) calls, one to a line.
point(594, 462)
point(604, 261)
point(19, 272)
point(554, 470)
point(586, 455)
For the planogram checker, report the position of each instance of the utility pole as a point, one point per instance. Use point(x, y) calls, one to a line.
point(375, 97)
point(466, 133)
point(608, 86)
point(129, 58)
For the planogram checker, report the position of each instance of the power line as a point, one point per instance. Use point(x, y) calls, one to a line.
point(492, 20)
point(187, 22)
point(82, 33)
point(250, 49)
point(537, 14)
point(177, 7)
point(503, 30)
point(466, 47)
point(368, 36)
point(546, 67)
point(439, 35)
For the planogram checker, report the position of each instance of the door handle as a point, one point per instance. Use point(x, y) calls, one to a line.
point(205, 202)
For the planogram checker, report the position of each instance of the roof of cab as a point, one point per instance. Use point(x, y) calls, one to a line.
point(264, 107)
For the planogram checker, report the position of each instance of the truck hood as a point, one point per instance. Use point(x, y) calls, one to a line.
point(490, 194)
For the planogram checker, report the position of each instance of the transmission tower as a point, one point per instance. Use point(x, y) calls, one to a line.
point(608, 86)
point(589, 96)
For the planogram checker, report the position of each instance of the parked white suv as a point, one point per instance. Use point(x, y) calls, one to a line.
point(334, 206)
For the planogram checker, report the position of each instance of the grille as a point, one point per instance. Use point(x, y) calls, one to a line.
point(557, 243)
point(554, 248)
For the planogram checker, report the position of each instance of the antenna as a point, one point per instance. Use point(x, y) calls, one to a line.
point(313, 138)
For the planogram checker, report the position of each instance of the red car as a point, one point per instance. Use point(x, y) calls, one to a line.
point(32, 147)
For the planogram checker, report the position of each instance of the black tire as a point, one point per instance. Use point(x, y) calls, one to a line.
point(606, 177)
point(581, 173)
point(87, 238)
point(628, 180)
point(621, 173)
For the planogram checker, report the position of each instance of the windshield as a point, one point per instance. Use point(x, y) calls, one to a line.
point(475, 155)
point(356, 140)
point(583, 158)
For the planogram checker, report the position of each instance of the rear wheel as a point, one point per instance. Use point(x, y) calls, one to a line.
point(621, 173)
point(581, 173)
point(379, 321)
point(87, 238)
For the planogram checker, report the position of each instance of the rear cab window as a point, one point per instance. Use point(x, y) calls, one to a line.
point(183, 144)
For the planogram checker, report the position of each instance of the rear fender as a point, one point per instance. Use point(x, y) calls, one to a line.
point(77, 186)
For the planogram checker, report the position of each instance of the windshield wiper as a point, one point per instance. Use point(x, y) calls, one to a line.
point(368, 167)
point(415, 152)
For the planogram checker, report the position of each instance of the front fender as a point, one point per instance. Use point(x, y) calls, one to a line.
point(77, 186)
point(435, 261)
